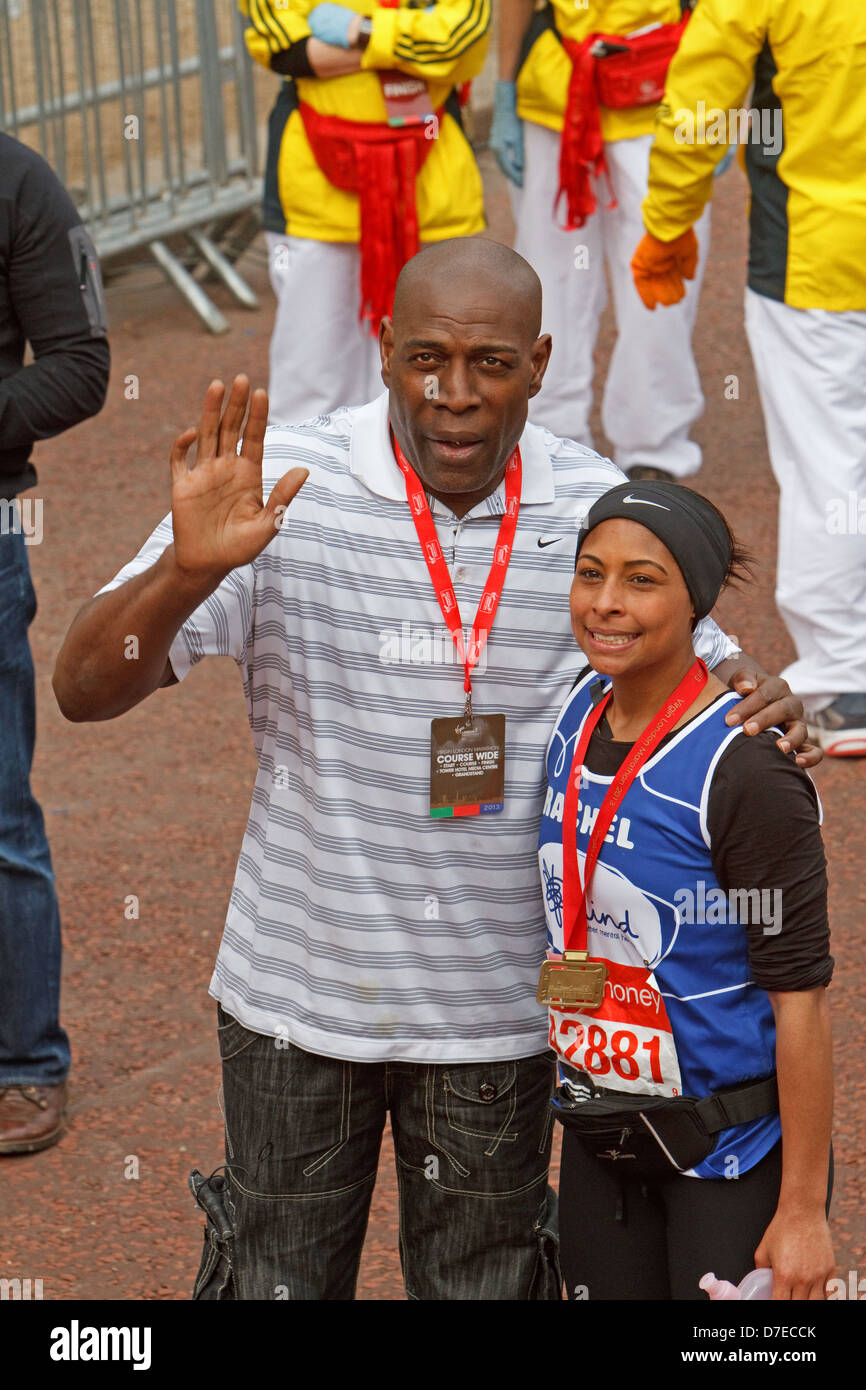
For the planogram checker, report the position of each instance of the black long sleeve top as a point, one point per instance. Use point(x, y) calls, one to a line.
point(50, 296)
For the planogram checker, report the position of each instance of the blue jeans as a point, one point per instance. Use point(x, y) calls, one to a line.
point(303, 1133)
point(34, 1049)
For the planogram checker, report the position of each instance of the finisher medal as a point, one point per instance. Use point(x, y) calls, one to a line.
point(575, 981)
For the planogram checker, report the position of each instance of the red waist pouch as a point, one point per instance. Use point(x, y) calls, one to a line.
point(636, 77)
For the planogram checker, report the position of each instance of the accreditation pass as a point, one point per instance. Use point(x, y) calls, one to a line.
point(467, 765)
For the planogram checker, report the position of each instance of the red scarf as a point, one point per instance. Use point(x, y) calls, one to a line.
point(581, 152)
point(380, 164)
point(633, 78)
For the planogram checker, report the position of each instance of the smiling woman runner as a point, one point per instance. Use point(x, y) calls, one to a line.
point(688, 1010)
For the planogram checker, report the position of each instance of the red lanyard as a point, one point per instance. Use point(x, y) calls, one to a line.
point(432, 550)
point(573, 896)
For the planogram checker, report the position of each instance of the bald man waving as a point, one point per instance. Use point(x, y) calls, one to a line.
point(402, 632)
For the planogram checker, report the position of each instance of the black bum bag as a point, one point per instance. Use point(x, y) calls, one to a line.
point(654, 1136)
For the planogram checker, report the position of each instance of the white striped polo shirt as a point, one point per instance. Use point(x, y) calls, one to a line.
point(359, 927)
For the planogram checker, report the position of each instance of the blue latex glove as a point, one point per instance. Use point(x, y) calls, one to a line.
point(330, 23)
point(506, 132)
point(725, 162)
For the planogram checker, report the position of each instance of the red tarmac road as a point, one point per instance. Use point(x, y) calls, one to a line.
point(154, 804)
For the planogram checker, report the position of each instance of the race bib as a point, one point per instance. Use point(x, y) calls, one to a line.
point(627, 1043)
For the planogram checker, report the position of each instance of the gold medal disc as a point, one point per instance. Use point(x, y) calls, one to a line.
point(574, 982)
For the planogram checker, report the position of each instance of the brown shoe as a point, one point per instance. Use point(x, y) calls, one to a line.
point(31, 1117)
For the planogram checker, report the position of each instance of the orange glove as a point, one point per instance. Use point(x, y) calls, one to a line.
point(659, 268)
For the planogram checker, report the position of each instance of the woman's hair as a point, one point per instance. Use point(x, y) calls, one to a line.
point(742, 561)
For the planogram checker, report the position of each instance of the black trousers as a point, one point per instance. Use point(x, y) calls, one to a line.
point(625, 1239)
point(303, 1134)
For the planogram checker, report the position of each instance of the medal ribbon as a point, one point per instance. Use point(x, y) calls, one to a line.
point(575, 927)
point(432, 551)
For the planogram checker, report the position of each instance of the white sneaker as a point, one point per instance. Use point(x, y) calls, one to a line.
point(840, 729)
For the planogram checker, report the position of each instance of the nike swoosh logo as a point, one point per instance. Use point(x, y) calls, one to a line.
point(644, 503)
point(552, 541)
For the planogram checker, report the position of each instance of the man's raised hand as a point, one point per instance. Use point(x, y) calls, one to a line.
point(219, 519)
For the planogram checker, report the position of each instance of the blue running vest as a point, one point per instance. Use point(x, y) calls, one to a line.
point(680, 1015)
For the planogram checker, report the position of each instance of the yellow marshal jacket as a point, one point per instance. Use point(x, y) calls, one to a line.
point(806, 161)
point(445, 45)
point(542, 83)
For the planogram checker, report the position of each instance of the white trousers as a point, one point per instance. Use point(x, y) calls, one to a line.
point(321, 355)
point(653, 393)
point(811, 370)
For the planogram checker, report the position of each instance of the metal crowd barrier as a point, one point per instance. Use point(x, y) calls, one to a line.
point(148, 119)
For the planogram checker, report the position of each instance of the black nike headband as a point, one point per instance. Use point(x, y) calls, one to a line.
point(691, 528)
